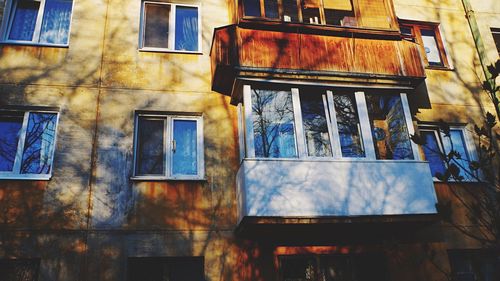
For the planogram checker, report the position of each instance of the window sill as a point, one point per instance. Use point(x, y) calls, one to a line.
point(331, 159)
point(153, 178)
point(33, 44)
point(25, 177)
point(432, 67)
point(161, 50)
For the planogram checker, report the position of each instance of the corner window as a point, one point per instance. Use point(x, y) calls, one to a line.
point(438, 144)
point(19, 269)
point(168, 26)
point(341, 267)
point(27, 142)
point(429, 38)
point(313, 122)
point(45, 22)
point(169, 146)
point(166, 268)
point(495, 32)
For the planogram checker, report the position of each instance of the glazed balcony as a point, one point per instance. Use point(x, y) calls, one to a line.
point(328, 55)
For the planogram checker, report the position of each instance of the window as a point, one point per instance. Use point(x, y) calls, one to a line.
point(167, 26)
point(317, 123)
point(166, 268)
point(471, 265)
point(27, 143)
point(438, 144)
point(45, 22)
point(341, 267)
point(429, 38)
point(495, 32)
point(169, 146)
point(19, 269)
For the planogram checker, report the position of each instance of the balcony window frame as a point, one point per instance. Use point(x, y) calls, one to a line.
point(416, 28)
point(8, 18)
point(246, 127)
point(171, 26)
point(495, 34)
point(16, 174)
point(168, 137)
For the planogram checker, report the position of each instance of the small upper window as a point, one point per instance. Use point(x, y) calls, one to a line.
point(38, 22)
point(427, 35)
point(438, 144)
point(169, 146)
point(27, 144)
point(495, 32)
point(167, 26)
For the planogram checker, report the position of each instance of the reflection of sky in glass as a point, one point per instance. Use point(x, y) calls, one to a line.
point(432, 152)
point(348, 126)
point(186, 28)
point(150, 147)
point(10, 125)
point(56, 20)
point(430, 46)
point(272, 113)
point(457, 138)
point(315, 125)
point(39, 143)
point(23, 24)
point(184, 160)
point(252, 8)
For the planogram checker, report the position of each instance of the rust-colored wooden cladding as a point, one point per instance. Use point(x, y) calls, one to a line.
point(262, 51)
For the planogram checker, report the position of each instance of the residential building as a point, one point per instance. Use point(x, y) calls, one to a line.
point(237, 140)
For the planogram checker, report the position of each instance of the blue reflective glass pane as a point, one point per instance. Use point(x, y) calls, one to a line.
point(271, 9)
point(315, 125)
point(24, 21)
point(348, 126)
point(186, 28)
point(433, 153)
point(251, 8)
point(458, 142)
point(10, 126)
point(185, 160)
point(156, 25)
point(273, 124)
point(149, 158)
point(56, 20)
point(39, 143)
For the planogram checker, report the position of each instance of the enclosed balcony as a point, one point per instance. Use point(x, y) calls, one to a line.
point(326, 55)
point(315, 155)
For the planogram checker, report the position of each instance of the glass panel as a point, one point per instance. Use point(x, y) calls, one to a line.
point(56, 20)
point(39, 143)
point(298, 269)
point(310, 11)
point(315, 125)
point(456, 142)
point(496, 37)
point(271, 9)
point(149, 154)
point(348, 126)
point(433, 152)
point(185, 160)
point(388, 125)
point(156, 25)
point(336, 268)
point(374, 13)
point(430, 46)
point(290, 11)
point(10, 127)
point(186, 28)
point(24, 21)
point(339, 12)
point(273, 124)
point(251, 8)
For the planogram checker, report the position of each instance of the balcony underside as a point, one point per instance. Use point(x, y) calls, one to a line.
point(321, 58)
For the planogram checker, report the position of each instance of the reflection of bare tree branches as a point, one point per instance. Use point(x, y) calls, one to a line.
point(315, 125)
point(348, 126)
point(39, 142)
point(272, 121)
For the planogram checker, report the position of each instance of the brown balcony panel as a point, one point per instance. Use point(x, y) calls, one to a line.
point(275, 54)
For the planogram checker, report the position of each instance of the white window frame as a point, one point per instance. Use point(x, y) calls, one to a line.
point(168, 133)
point(8, 18)
point(171, 28)
point(301, 147)
point(444, 148)
point(16, 174)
